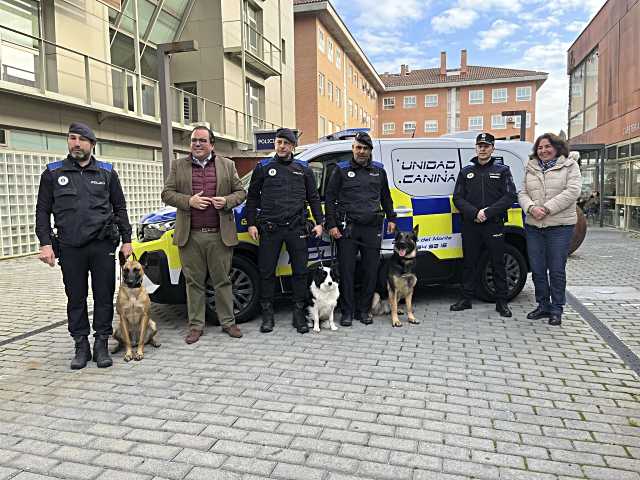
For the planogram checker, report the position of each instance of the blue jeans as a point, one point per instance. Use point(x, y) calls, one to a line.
point(548, 249)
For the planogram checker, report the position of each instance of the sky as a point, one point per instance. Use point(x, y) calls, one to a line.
point(526, 34)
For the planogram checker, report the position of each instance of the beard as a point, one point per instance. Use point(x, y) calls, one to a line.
point(362, 161)
point(80, 154)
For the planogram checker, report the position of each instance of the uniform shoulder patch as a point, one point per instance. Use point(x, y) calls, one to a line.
point(265, 161)
point(378, 164)
point(344, 164)
point(303, 163)
point(104, 165)
point(55, 165)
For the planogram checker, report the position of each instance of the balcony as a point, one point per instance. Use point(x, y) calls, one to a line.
point(41, 69)
point(261, 56)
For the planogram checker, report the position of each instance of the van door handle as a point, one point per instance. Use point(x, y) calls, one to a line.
point(404, 211)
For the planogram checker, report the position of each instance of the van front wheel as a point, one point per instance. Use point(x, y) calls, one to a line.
point(516, 267)
point(246, 291)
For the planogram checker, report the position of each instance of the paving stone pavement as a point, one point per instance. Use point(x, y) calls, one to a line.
point(460, 396)
point(605, 275)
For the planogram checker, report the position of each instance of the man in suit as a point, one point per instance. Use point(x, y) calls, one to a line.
point(205, 188)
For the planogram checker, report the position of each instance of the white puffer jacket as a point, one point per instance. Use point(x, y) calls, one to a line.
point(557, 189)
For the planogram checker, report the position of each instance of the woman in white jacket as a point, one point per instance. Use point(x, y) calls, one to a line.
point(552, 185)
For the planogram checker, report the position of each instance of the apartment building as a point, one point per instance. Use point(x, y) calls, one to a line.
point(336, 87)
point(435, 101)
point(603, 65)
point(68, 60)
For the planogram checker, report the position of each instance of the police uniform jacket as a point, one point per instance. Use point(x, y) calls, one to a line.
point(82, 201)
point(360, 192)
point(487, 186)
point(279, 188)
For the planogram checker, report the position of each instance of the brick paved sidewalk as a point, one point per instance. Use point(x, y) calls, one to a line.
point(460, 396)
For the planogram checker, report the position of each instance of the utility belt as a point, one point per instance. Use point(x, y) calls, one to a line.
point(110, 231)
point(368, 219)
point(295, 222)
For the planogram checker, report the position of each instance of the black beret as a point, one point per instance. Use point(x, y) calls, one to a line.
point(365, 139)
point(287, 134)
point(82, 129)
point(485, 138)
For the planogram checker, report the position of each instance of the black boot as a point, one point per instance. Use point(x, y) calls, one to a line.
point(346, 320)
point(538, 313)
point(83, 353)
point(555, 319)
point(299, 318)
point(502, 307)
point(101, 351)
point(267, 318)
point(462, 304)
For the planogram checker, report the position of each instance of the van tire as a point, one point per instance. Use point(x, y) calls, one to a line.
point(246, 280)
point(517, 272)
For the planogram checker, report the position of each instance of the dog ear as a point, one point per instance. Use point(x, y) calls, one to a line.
point(144, 259)
point(415, 230)
point(335, 272)
point(121, 259)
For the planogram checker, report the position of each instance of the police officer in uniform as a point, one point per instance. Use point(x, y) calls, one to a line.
point(90, 216)
point(357, 198)
point(483, 193)
point(280, 188)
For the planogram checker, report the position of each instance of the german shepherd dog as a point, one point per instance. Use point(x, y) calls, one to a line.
point(399, 277)
point(134, 326)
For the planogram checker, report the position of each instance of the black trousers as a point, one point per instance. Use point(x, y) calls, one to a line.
point(97, 258)
point(476, 238)
point(366, 240)
point(268, 253)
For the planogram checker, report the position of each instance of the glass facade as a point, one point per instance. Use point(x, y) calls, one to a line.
point(583, 96)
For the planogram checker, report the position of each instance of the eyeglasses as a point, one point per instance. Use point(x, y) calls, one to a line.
point(200, 140)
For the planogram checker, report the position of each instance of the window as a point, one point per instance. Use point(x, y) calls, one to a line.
point(476, 97)
point(320, 84)
point(350, 108)
point(330, 90)
point(430, 126)
point(322, 126)
point(498, 121)
point(583, 104)
point(255, 101)
point(476, 123)
point(329, 127)
point(409, 127)
point(410, 101)
point(283, 51)
point(355, 78)
point(499, 95)
point(338, 97)
point(388, 103)
point(330, 49)
point(338, 58)
point(523, 94)
point(320, 40)
point(431, 100)
point(388, 128)
point(517, 121)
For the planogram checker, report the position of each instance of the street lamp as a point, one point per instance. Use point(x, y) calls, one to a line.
point(523, 121)
point(165, 50)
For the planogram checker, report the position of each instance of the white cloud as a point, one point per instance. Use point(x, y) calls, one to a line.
point(385, 14)
point(576, 26)
point(497, 5)
point(552, 98)
point(453, 19)
point(499, 30)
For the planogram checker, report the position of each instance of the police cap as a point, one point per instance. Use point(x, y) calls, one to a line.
point(82, 129)
point(486, 138)
point(287, 134)
point(364, 138)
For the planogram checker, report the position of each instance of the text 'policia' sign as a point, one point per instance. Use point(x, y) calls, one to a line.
point(265, 139)
point(116, 4)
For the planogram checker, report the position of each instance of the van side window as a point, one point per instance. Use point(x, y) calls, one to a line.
point(422, 172)
point(323, 166)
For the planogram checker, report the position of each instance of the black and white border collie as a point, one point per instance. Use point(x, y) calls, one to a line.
point(324, 297)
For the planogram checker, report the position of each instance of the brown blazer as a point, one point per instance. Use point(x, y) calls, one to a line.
point(178, 189)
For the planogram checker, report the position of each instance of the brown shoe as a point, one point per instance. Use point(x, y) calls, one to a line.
point(194, 336)
point(232, 331)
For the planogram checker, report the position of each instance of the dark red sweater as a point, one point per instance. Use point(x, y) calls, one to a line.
point(204, 180)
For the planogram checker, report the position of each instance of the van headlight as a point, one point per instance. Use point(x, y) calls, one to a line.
point(153, 231)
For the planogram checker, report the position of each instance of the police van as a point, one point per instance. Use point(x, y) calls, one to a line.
point(422, 174)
